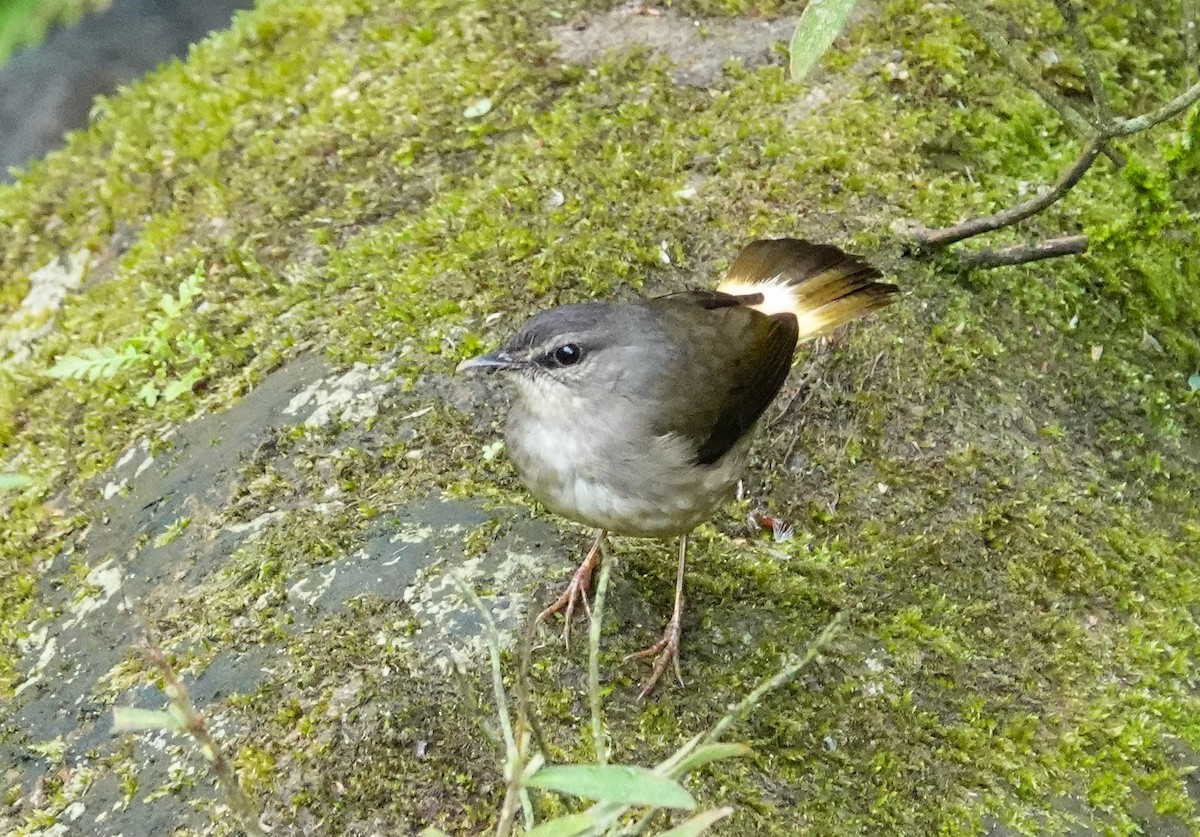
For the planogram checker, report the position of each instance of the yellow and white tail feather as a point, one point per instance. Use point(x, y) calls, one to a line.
point(820, 285)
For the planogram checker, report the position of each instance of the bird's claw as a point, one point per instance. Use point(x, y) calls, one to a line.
point(576, 593)
point(665, 652)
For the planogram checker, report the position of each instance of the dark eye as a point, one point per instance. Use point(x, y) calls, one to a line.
point(567, 355)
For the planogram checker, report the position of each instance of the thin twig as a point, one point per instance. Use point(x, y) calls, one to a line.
point(976, 226)
point(1188, 13)
point(1070, 245)
point(1087, 57)
point(1066, 181)
point(782, 678)
point(598, 737)
point(1020, 65)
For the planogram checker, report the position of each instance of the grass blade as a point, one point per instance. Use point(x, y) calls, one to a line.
point(698, 824)
point(623, 784)
point(567, 826)
point(9, 481)
point(819, 24)
point(709, 753)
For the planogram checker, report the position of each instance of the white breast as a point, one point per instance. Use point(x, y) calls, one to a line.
point(587, 469)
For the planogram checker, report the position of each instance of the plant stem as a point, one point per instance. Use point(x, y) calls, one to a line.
point(598, 738)
point(514, 762)
point(508, 811)
point(780, 679)
point(526, 713)
point(493, 641)
point(237, 798)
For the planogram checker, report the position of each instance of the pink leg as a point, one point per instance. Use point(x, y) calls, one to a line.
point(666, 650)
point(577, 589)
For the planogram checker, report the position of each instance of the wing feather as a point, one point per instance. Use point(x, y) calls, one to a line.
point(733, 364)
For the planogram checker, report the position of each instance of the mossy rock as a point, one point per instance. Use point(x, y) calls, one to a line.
point(993, 481)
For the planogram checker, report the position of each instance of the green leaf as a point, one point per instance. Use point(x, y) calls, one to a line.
point(624, 784)
point(66, 367)
point(70, 366)
point(175, 389)
point(820, 23)
point(698, 824)
point(148, 393)
point(132, 719)
point(9, 481)
point(190, 287)
point(480, 108)
point(432, 832)
point(20, 25)
point(170, 307)
point(93, 363)
point(710, 753)
point(567, 826)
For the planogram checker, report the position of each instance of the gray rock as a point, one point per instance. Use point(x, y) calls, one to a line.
point(48, 90)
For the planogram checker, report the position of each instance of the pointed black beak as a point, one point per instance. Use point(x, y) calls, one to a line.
point(496, 361)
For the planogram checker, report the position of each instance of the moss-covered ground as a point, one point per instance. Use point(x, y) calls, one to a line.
point(994, 480)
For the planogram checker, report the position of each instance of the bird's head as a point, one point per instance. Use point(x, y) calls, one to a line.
point(565, 350)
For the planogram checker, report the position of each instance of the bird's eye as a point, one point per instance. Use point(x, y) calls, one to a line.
point(567, 354)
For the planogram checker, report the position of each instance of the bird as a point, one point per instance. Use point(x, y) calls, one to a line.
point(635, 417)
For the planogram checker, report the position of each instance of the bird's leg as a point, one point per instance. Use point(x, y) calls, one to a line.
point(577, 590)
point(666, 650)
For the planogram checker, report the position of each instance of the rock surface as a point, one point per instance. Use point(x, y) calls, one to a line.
point(48, 90)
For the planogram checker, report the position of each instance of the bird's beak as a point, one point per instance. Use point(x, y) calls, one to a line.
point(492, 362)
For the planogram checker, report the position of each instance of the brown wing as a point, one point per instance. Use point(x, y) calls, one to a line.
point(731, 363)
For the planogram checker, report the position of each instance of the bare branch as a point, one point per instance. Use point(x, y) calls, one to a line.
point(1176, 106)
point(1070, 245)
point(977, 226)
point(1091, 71)
point(1020, 65)
point(1098, 136)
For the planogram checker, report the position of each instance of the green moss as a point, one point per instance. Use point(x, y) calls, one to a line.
point(1008, 523)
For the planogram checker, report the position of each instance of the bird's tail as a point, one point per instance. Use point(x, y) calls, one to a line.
point(817, 283)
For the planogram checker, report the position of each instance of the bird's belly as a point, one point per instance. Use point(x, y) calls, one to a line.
point(653, 490)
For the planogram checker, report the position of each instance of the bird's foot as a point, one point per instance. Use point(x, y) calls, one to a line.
point(665, 652)
point(575, 594)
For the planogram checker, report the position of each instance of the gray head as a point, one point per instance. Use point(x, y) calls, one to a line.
point(592, 344)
